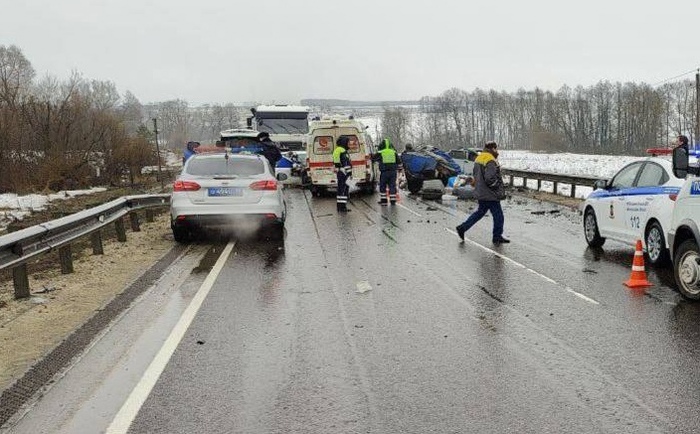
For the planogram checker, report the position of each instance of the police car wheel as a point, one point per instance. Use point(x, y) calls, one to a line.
point(590, 229)
point(656, 245)
point(686, 269)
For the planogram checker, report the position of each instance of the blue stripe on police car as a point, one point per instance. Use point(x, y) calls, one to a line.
point(639, 191)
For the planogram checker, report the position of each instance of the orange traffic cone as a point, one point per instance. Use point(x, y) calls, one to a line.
point(638, 278)
point(388, 195)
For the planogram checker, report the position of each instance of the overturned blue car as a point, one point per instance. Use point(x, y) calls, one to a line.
point(427, 163)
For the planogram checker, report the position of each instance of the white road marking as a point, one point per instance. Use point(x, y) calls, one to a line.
point(131, 407)
point(536, 273)
point(409, 210)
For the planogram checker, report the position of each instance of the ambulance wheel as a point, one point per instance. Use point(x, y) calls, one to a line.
point(317, 191)
point(369, 188)
point(656, 245)
point(686, 269)
point(590, 229)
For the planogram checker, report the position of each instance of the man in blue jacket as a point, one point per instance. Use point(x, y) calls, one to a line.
point(489, 191)
point(189, 151)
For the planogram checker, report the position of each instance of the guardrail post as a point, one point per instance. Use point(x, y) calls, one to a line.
point(134, 219)
point(96, 239)
point(66, 258)
point(525, 183)
point(556, 186)
point(539, 184)
point(573, 190)
point(511, 181)
point(149, 215)
point(121, 230)
point(20, 278)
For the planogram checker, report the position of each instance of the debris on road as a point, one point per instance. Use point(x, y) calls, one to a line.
point(363, 286)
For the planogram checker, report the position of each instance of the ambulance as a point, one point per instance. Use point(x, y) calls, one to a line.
point(323, 134)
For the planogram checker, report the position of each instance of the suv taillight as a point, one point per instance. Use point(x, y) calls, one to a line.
point(673, 196)
point(264, 185)
point(185, 186)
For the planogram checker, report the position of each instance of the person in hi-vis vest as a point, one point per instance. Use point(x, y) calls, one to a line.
point(389, 163)
point(343, 167)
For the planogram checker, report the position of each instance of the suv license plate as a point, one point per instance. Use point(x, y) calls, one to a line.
point(225, 191)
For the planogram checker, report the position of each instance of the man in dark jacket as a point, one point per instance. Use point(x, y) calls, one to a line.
point(389, 164)
point(488, 191)
point(269, 149)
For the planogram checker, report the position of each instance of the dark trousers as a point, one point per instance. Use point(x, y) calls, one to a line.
point(341, 196)
point(387, 178)
point(496, 212)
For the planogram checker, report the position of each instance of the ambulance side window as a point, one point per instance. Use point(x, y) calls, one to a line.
point(626, 176)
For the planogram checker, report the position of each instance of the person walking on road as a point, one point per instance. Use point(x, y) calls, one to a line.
point(489, 191)
point(389, 164)
point(343, 169)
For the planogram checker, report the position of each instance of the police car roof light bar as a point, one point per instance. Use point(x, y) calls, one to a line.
point(659, 151)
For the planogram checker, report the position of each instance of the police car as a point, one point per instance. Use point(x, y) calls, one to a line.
point(635, 204)
point(684, 232)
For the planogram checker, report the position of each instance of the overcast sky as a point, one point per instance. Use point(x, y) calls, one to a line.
point(281, 51)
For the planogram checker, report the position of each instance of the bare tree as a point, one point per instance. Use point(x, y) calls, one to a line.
point(395, 126)
point(16, 75)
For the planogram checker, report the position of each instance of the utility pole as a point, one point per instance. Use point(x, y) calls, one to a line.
point(160, 175)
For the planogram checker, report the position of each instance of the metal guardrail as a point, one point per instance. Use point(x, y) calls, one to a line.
point(556, 178)
point(18, 248)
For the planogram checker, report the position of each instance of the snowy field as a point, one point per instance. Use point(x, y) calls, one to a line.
point(14, 207)
point(600, 166)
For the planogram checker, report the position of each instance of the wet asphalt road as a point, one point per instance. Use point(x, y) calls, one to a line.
point(381, 321)
point(536, 336)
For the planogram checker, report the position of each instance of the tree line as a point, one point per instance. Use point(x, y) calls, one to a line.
point(75, 133)
point(607, 118)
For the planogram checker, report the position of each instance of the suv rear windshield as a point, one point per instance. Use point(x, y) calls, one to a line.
point(223, 166)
